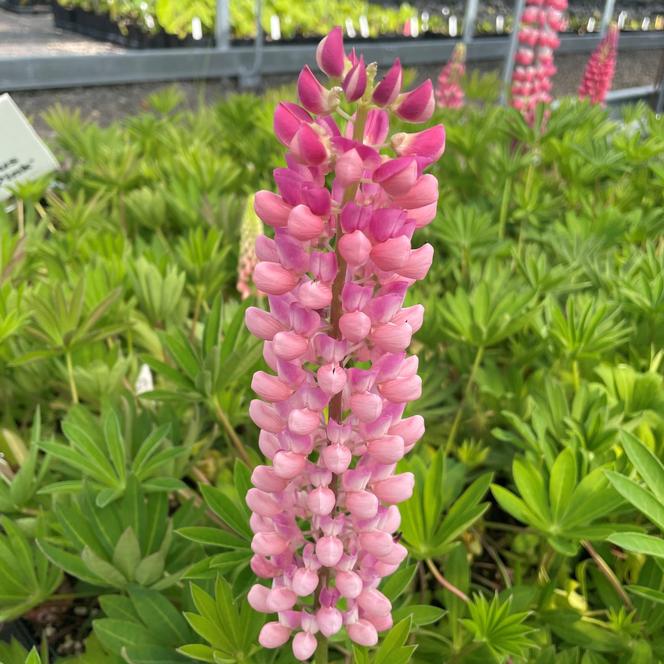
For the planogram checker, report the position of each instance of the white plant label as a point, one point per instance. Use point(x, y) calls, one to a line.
point(23, 155)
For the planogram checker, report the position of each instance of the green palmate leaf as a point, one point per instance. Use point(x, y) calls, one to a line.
point(562, 483)
point(420, 614)
point(127, 553)
point(639, 543)
point(397, 583)
point(646, 463)
point(393, 648)
point(650, 594)
point(643, 500)
point(213, 537)
point(227, 510)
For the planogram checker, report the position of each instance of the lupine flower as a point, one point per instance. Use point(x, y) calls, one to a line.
point(250, 230)
point(538, 39)
point(449, 93)
point(599, 71)
point(336, 272)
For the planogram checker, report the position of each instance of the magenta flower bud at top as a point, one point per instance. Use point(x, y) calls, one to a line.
point(417, 105)
point(330, 55)
point(355, 82)
point(336, 268)
point(390, 87)
point(313, 96)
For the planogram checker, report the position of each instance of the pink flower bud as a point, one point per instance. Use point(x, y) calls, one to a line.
point(262, 568)
point(348, 168)
point(397, 176)
point(269, 387)
point(257, 598)
point(308, 147)
point(261, 324)
point(330, 55)
point(304, 645)
point(321, 501)
point(388, 449)
point(374, 603)
point(362, 504)
point(271, 208)
point(417, 105)
point(303, 421)
point(395, 489)
point(273, 279)
point(304, 582)
point(303, 224)
point(289, 345)
point(288, 465)
point(265, 479)
point(329, 550)
point(366, 406)
point(336, 458)
point(288, 118)
point(281, 599)
point(411, 429)
point(273, 635)
point(314, 294)
point(355, 82)
point(390, 87)
point(392, 338)
point(376, 542)
point(331, 379)
point(329, 620)
point(418, 263)
point(265, 416)
point(349, 584)
point(268, 544)
point(391, 254)
point(354, 248)
point(313, 96)
point(262, 503)
point(355, 326)
point(363, 633)
point(402, 390)
point(429, 143)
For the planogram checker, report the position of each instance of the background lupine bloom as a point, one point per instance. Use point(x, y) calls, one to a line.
point(538, 39)
point(251, 229)
point(600, 69)
point(331, 413)
point(449, 93)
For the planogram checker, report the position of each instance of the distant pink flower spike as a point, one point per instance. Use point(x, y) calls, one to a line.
point(336, 338)
point(600, 69)
point(538, 39)
point(449, 93)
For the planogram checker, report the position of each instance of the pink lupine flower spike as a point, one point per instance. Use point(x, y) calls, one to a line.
point(336, 271)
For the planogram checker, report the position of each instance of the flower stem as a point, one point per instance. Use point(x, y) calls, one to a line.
point(70, 374)
point(607, 572)
point(321, 651)
point(504, 207)
point(230, 431)
point(457, 419)
point(445, 583)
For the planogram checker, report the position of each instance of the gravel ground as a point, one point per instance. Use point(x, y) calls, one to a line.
point(35, 34)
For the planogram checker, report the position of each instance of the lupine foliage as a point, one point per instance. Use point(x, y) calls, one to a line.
point(534, 532)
